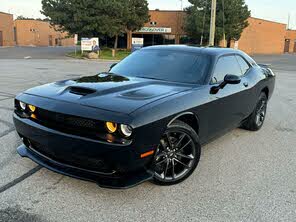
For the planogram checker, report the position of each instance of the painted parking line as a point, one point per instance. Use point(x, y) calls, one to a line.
point(20, 179)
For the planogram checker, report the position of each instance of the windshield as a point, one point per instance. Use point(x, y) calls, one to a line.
point(167, 65)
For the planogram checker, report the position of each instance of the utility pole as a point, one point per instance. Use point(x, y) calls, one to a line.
point(288, 27)
point(213, 23)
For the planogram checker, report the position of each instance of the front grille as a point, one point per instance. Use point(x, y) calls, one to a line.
point(84, 162)
point(66, 120)
point(70, 124)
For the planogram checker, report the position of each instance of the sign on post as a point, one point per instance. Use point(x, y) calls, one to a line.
point(75, 42)
point(75, 39)
point(90, 44)
point(137, 43)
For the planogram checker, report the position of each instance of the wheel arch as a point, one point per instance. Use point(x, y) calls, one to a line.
point(189, 118)
point(266, 91)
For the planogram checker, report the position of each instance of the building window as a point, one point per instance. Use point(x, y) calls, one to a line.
point(156, 39)
point(153, 23)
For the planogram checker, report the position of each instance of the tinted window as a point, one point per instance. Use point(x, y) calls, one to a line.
point(243, 64)
point(226, 65)
point(168, 65)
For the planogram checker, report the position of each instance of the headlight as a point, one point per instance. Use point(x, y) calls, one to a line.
point(126, 130)
point(32, 108)
point(111, 127)
point(23, 105)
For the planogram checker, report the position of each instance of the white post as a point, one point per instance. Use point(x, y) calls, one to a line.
point(213, 23)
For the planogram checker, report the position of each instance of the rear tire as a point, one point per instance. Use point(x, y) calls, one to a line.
point(256, 120)
point(177, 155)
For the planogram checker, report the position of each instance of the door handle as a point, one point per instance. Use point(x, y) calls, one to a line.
point(246, 84)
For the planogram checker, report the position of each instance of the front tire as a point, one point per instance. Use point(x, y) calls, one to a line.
point(177, 155)
point(256, 119)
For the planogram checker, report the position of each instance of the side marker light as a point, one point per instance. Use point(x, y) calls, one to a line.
point(143, 155)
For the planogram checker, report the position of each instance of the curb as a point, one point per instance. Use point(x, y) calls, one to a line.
point(95, 60)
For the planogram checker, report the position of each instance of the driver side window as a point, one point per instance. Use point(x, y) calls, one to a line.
point(226, 65)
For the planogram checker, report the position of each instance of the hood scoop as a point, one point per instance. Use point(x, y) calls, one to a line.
point(82, 91)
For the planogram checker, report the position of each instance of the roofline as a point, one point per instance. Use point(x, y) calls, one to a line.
point(268, 20)
point(31, 20)
point(159, 10)
point(6, 13)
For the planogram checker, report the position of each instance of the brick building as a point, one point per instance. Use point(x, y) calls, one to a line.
point(260, 37)
point(164, 27)
point(39, 33)
point(263, 37)
point(6, 29)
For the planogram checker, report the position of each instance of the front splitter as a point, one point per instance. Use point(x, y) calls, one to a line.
point(105, 180)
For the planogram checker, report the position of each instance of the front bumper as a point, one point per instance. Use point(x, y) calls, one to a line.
point(109, 165)
point(103, 180)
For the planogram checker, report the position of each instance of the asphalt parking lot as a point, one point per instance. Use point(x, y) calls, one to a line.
point(35, 52)
point(242, 176)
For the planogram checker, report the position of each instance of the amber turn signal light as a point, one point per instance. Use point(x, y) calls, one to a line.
point(143, 155)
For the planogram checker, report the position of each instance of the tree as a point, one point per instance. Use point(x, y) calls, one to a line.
point(137, 14)
point(21, 17)
point(231, 21)
point(96, 17)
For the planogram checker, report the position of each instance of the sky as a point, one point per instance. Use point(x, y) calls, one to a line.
point(273, 10)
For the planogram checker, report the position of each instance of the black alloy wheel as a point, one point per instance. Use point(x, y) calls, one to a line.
point(261, 112)
point(177, 154)
point(256, 119)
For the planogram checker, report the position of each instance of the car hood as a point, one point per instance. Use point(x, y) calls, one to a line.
point(109, 92)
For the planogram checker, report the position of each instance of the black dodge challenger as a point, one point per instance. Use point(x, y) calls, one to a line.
point(145, 119)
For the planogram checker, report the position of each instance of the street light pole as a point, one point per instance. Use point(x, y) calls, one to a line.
point(213, 23)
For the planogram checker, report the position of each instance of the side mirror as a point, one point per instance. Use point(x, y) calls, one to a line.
point(228, 79)
point(232, 79)
point(114, 64)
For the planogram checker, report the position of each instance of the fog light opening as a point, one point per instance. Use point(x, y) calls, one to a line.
point(110, 138)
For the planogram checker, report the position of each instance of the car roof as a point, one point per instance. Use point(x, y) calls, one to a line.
point(213, 51)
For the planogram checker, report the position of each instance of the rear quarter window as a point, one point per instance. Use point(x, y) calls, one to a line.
point(243, 64)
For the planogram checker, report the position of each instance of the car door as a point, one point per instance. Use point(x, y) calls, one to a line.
point(248, 92)
point(226, 109)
